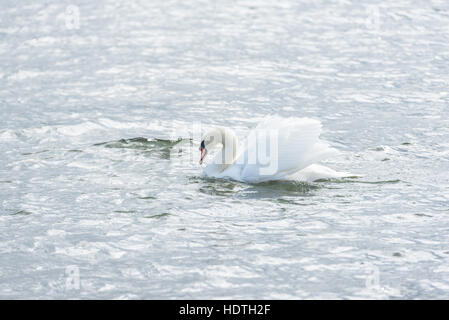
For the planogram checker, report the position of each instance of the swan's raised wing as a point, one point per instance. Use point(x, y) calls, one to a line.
point(281, 147)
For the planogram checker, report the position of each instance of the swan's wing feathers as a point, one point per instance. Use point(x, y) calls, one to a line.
point(298, 146)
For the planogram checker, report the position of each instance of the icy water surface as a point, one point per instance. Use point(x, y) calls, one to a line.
point(101, 194)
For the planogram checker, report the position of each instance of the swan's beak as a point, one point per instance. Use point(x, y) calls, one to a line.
point(203, 151)
point(203, 154)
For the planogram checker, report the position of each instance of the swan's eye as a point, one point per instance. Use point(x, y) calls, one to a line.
point(203, 146)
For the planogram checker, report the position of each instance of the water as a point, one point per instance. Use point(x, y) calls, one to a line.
point(100, 199)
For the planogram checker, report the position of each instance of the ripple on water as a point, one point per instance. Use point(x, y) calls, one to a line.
point(153, 147)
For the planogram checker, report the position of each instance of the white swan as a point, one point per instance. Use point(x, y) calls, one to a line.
point(277, 149)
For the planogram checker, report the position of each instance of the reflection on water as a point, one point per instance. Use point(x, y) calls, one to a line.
point(272, 189)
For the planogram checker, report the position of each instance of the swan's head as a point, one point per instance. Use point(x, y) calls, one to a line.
point(209, 141)
point(215, 137)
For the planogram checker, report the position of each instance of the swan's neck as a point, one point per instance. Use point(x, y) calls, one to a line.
point(228, 153)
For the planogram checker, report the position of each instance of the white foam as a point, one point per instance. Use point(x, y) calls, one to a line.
point(78, 129)
point(24, 74)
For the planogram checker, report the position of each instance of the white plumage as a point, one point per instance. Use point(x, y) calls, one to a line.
point(278, 148)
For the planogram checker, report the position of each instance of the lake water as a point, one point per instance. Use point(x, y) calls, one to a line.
point(101, 190)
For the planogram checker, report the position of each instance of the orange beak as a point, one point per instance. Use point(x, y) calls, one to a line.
point(203, 155)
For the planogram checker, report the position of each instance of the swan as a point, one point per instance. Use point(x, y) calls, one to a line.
point(277, 149)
